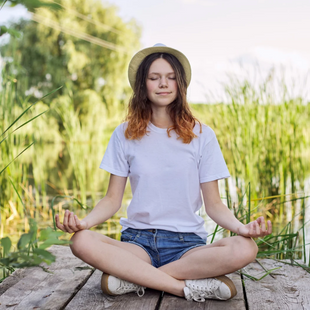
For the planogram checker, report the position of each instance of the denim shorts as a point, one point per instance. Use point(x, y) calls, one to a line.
point(162, 246)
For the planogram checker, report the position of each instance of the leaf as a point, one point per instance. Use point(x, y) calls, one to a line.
point(3, 4)
point(51, 242)
point(34, 4)
point(50, 237)
point(5, 262)
point(49, 233)
point(24, 240)
point(262, 277)
point(6, 245)
point(47, 256)
point(14, 33)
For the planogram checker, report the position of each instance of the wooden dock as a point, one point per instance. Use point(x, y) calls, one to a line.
point(73, 285)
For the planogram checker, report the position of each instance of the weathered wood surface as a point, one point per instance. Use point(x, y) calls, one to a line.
point(90, 297)
point(288, 289)
point(72, 288)
point(170, 302)
point(37, 289)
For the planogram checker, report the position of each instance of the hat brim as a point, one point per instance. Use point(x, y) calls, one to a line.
point(138, 58)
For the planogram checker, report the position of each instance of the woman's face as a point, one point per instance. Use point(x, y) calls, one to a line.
point(161, 84)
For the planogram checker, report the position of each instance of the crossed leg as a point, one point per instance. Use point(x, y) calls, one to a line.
point(131, 263)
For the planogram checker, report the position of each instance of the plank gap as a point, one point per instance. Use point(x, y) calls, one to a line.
point(244, 292)
point(78, 289)
point(157, 307)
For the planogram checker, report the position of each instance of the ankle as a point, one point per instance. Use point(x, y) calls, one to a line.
point(179, 290)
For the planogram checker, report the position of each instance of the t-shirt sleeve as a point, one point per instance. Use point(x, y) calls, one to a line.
point(114, 160)
point(212, 165)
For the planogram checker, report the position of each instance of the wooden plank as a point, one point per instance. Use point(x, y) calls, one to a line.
point(170, 302)
point(15, 277)
point(289, 289)
point(41, 290)
point(90, 297)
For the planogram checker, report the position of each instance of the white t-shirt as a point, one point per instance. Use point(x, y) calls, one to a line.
point(165, 176)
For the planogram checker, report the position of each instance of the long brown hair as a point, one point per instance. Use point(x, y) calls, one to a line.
point(139, 108)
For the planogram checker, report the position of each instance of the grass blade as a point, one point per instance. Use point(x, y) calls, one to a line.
point(25, 111)
point(17, 156)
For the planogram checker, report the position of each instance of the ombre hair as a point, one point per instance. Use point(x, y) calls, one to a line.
point(140, 111)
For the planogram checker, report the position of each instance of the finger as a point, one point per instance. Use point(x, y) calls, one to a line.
point(257, 229)
point(78, 223)
point(259, 220)
point(251, 230)
point(71, 222)
point(269, 230)
point(263, 226)
point(58, 224)
point(71, 228)
point(66, 221)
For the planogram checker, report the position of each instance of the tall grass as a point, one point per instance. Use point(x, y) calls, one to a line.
point(264, 143)
point(31, 246)
point(13, 141)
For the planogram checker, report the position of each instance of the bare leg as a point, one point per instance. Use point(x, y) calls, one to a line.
point(219, 258)
point(131, 263)
point(123, 260)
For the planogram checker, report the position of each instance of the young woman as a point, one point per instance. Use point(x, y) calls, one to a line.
point(170, 159)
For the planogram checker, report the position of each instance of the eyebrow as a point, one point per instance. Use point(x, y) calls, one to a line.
point(160, 74)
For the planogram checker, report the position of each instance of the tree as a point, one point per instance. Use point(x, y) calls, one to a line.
point(85, 50)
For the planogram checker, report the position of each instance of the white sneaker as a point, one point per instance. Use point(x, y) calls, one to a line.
point(114, 286)
point(221, 288)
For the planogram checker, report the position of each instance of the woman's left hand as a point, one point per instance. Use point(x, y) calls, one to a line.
point(256, 228)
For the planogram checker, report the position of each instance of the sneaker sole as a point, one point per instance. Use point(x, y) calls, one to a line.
point(229, 283)
point(104, 284)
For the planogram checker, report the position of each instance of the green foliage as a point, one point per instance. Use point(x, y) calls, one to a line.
point(264, 143)
point(31, 4)
point(50, 57)
point(17, 135)
point(31, 249)
point(6, 245)
point(12, 32)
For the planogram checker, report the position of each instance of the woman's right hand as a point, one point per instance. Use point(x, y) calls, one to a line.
point(71, 223)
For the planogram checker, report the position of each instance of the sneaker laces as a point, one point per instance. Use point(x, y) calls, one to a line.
point(198, 292)
point(129, 287)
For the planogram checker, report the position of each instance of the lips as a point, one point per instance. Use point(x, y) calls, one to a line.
point(163, 93)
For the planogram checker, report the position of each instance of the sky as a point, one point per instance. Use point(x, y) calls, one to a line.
point(221, 37)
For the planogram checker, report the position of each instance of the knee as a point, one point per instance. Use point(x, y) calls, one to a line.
point(245, 250)
point(80, 240)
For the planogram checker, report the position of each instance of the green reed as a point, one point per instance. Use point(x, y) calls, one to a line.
point(20, 123)
point(263, 142)
point(31, 246)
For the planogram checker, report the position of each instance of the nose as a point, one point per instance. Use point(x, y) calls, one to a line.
point(163, 82)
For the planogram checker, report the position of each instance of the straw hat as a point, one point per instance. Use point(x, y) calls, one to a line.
point(157, 48)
